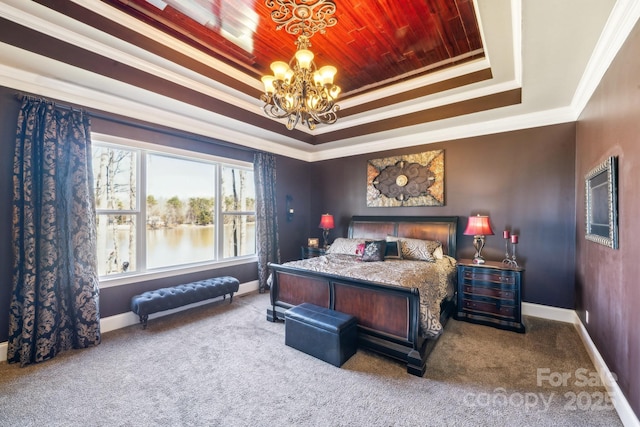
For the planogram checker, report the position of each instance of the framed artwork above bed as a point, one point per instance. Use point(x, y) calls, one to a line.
point(411, 180)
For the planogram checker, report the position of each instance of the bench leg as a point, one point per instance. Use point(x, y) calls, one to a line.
point(143, 319)
point(230, 297)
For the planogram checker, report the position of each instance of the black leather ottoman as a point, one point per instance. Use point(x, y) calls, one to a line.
point(320, 332)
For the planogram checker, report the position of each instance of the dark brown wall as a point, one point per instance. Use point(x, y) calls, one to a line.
point(607, 279)
point(523, 180)
point(292, 179)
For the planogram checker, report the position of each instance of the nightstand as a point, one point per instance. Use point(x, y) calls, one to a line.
point(308, 252)
point(490, 294)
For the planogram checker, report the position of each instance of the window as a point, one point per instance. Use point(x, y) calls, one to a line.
point(164, 210)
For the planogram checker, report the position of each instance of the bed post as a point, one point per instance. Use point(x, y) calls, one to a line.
point(416, 363)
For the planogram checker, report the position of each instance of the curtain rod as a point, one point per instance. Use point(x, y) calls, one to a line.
point(22, 96)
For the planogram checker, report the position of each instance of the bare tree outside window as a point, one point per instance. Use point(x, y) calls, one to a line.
point(238, 212)
point(115, 195)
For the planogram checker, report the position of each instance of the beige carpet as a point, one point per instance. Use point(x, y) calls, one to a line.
point(225, 365)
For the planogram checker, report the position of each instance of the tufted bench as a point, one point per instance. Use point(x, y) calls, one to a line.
point(176, 296)
point(320, 332)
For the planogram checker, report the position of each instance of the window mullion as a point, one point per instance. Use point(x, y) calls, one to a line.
point(218, 218)
point(141, 228)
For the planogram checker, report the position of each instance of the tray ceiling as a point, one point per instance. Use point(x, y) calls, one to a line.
point(412, 72)
point(373, 44)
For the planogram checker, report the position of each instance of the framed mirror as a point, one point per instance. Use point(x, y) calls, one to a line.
point(602, 203)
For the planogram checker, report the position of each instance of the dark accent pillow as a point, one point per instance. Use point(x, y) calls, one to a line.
point(393, 251)
point(374, 250)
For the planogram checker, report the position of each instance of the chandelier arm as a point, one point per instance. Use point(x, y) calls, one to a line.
point(272, 109)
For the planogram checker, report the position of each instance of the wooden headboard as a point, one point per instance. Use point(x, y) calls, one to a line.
point(441, 228)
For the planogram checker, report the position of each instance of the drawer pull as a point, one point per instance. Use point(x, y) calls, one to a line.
point(488, 277)
point(491, 292)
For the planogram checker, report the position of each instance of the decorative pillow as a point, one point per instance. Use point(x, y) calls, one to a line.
point(346, 246)
point(392, 250)
point(420, 250)
point(360, 249)
point(438, 253)
point(374, 250)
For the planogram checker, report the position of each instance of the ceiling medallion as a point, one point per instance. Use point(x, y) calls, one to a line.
point(305, 17)
point(298, 91)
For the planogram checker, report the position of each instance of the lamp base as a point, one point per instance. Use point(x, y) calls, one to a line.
point(325, 237)
point(478, 244)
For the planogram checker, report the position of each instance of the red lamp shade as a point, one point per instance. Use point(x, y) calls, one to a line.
point(326, 222)
point(478, 226)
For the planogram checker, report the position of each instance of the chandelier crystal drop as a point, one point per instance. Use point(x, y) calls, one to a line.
point(298, 90)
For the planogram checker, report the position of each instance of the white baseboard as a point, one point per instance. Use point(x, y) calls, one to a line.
point(620, 402)
point(122, 320)
point(547, 312)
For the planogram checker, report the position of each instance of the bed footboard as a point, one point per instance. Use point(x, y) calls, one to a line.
point(388, 316)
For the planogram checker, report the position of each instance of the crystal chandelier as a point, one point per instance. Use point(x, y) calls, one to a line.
point(298, 91)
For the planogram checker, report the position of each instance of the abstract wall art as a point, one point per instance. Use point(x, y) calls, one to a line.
point(410, 180)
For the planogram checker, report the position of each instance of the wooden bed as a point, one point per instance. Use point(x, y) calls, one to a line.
point(388, 316)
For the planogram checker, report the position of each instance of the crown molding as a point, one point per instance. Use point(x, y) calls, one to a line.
point(622, 20)
point(155, 108)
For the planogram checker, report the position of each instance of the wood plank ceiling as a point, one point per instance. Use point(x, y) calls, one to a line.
point(374, 43)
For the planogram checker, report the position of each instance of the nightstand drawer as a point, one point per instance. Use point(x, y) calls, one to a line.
point(489, 276)
point(490, 292)
point(487, 307)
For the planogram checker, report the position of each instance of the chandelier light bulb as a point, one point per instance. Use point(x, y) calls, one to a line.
point(304, 58)
point(313, 101)
point(267, 81)
point(288, 76)
point(279, 69)
point(327, 72)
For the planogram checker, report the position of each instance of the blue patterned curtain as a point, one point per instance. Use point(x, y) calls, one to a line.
point(54, 305)
point(264, 171)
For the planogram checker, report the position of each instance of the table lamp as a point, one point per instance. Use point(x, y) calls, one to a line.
point(326, 223)
point(478, 227)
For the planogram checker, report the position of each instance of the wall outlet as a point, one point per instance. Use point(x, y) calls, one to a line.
point(586, 316)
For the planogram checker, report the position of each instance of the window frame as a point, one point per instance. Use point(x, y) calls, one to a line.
point(143, 149)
